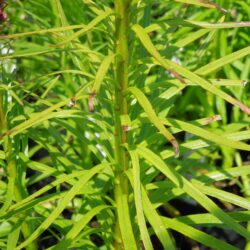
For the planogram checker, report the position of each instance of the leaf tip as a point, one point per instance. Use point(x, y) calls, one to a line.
point(213, 118)
point(6, 133)
point(91, 102)
point(243, 107)
point(176, 148)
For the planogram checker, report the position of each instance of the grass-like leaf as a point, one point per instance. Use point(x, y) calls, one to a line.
point(66, 199)
point(138, 200)
point(156, 222)
point(207, 4)
point(174, 67)
point(77, 228)
point(197, 235)
point(192, 191)
point(145, 104)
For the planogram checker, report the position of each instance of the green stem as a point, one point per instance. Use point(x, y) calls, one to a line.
point(121, 71)
point(11, 171)
point(121, 109)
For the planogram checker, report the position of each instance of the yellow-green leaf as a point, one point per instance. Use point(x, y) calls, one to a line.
point(174, 67)
point(147, 107)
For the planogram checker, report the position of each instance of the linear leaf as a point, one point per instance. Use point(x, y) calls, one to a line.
point(60, 179)
point(34, 52)
point(88, 27)
point(147, 107)
point(174, 67)
point(77, 228)
point(191, 190)
point(196, 235)
point(64, 202)
point(206, 219)
point(216, 138)
point(223, 195)
point(220, 25)
point(225, 174)
point(102, 72)
point(191, 37)
point(124, 219)
point(138, 201)
point(217, 82)
point(42, 116)
point(203, 3)
point(204, 25)
point(13, 236)
point(44, 31)
point(156, 222)
point(215, 65)
point(9, 195)
point(219, 194)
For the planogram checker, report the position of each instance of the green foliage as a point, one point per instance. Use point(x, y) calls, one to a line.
point(111, 111)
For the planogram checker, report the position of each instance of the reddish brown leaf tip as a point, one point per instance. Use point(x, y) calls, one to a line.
point(177, 76)
point(176, 148)
point(243, 107)
point(213, 118)
point(126, 128)
point(7, 133)
point(215, 5)
point(91, 102)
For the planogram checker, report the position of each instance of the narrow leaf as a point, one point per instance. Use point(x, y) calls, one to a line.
point(88, 27)
point(206, 219)
point(34, 52)
point(203, 3)
point(220, 25)
point(197, 235)
point(64, 202)
point(147, 107)
point(77, 228)
point(9, 196)
point(191, 190)
point(99, 79)
point(138, 201)
point(224, 196)
point(217, 64)
point(42, 116)
point(156, 222)
point(216, 138)
point(44, 31)
point(124, 219)
point(170, 66)
point(102, 72)
point(13, 237)
point(227, 173)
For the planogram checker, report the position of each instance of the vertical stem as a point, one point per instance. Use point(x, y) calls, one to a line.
point(121, 71)
point(120, 109)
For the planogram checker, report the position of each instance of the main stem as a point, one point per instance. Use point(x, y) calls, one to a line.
point(121, 109)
